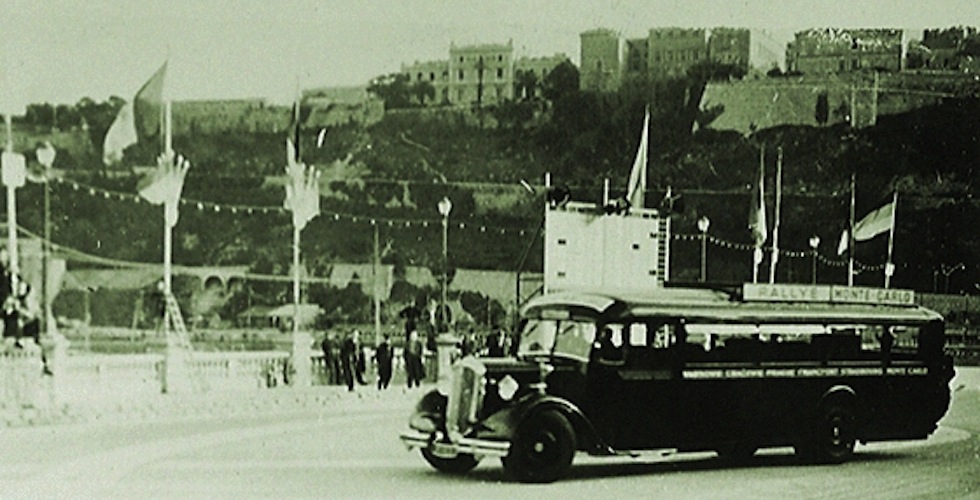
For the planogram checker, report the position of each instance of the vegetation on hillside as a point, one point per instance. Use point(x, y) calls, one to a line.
point(398, 169)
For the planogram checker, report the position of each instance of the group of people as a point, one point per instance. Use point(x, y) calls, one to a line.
point(21, 320)
point(346, 362)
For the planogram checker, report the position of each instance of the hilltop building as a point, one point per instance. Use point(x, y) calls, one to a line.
point(478, 74)
point(953, 49)
point(606, 58)
point(831, 50)
point(601, 60)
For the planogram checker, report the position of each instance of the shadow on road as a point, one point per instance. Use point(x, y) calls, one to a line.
point(597, 468)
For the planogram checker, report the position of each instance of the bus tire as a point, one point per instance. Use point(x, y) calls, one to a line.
point(542, 448)
point(833, 438)
point(460, 464)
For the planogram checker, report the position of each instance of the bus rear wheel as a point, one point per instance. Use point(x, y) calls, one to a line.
point(460, 464)
point(542, 449)
point(833, 438)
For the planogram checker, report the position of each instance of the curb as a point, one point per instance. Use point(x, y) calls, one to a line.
point(214, 405)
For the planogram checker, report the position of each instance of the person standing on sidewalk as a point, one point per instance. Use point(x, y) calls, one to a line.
point(351, 360)
point(414, 369)
point(331, 365)
point(383, 359)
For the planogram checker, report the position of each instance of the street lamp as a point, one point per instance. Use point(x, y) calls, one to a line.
point(45, 156)
point(703, 223)
point(948, 271)
point(814, 243)
point(445, 207)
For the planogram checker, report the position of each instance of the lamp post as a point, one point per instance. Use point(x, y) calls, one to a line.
point(45, 156)
point(948, 271)
point(703, 224)
point(13, 175)
point(814, 244)
point(445, 207)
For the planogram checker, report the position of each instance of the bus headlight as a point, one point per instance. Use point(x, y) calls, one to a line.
point(507, 388)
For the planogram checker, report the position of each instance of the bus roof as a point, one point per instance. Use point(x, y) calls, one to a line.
point(698, 304)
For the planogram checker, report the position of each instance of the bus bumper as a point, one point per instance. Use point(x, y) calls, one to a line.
point(447, 449)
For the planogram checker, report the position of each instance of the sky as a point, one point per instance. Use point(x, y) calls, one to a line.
point(59, 51)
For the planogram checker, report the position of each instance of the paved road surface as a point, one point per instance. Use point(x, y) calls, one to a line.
point(347, 448)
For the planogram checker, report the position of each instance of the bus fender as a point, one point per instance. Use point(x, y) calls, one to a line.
point(585, 433)
point(838, 391)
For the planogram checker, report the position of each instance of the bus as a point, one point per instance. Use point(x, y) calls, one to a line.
point(729, 370)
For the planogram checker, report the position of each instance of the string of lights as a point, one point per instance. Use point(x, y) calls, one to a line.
point(399, 222)
point(208, 206)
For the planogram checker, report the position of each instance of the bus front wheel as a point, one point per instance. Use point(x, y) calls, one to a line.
point(542, 449)
point(460, 464)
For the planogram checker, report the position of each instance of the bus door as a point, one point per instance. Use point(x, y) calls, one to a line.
point(633, 384)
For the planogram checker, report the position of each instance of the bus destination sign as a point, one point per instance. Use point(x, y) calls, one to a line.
point(784, 292)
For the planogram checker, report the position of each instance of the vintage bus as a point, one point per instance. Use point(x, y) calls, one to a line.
point(732, 370)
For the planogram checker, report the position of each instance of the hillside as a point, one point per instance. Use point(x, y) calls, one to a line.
point(389, 176)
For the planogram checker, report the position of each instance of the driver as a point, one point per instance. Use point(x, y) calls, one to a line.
point(607, 351)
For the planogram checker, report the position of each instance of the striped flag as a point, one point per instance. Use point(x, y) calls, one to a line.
point(875, 223)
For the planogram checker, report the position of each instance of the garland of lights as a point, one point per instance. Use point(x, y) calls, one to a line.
point(202, 206)
point(391, 222)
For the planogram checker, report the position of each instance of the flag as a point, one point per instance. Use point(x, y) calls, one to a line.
point(302, 192)
point(638, 176)
point(875, 223)
point(164, 185)
point(844, 241)
point(139, 117)
point(757, 213)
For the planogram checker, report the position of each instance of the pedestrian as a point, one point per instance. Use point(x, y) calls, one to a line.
point(467, 345)
point(414, 369)
point(383, 359)
point(331, 366)
point(496, 344)
point(351, 360)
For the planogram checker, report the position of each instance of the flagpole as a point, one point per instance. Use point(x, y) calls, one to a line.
point(757, 253)
point(850, 235)
point(168, 153)
point(11, 211)
point(774, 258)
point(889, 267)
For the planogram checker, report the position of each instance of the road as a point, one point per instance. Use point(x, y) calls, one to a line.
point(348, 448)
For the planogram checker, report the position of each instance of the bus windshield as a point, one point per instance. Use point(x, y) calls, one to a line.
point(565, 338)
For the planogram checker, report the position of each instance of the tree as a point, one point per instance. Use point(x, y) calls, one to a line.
point(423, 91)
point(525, 83)
point(393, 89)
point(560, 82)
point(822, 111)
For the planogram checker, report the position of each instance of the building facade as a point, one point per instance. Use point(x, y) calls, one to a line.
point(730, 46)
point(539, 68)
point(671, 51)
point(478, 75)
point(946, 48)
point(829, 50)
point(663, 53)
point(600, 60)
point(481, 74)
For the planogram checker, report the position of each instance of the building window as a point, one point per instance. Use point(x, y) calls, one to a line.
point(461, 75)
point(460, 58)
point(432, 76)
point(418, 77)
point(500, 73)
